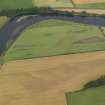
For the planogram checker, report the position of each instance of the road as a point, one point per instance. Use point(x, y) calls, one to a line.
point(12, 30)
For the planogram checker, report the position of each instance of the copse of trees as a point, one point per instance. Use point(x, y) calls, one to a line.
point(35, 10)
point(95, 83)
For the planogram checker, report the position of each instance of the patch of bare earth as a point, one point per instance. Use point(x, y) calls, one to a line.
point(44, 81)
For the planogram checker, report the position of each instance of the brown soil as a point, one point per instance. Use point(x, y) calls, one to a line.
point(44, 81)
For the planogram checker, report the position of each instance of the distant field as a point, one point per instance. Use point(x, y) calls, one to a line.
point(14, 4)
point(56, 37)
point(91, 96)
point(53, 3)
point(91, 5)
point(3, 20)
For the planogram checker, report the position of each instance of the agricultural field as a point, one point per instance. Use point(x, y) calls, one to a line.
point(53, 3)
point(3, 20)
point(90, 96)
point(56, 37)
point(89, 4)
point(15, 4)
point(44, 81)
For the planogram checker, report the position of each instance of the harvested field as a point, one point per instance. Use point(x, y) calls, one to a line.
point(44, 81)
point(95, 4)
point(53, 3)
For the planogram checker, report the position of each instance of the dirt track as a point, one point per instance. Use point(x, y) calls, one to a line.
point(45, 81)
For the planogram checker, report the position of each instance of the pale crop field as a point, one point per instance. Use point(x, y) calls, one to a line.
point(90, 4)
point(44, 81)
point(53, 3)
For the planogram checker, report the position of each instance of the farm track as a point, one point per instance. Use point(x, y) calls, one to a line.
point(44, 81)
point(11, 31)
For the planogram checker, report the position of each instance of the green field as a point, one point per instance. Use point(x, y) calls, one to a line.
point(91, 5)
point(91, 96)
point(56, 37)
point(14, 4)
point(53, 3)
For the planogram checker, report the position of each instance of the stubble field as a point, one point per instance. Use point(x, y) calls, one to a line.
point(45, 80)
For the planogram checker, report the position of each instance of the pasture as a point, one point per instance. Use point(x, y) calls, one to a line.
point(15, 4)
point(56, 37)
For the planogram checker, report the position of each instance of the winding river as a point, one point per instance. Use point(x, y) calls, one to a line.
point(13, 28)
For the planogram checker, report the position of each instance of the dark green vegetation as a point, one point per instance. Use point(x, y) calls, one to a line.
point(91, 96)
point(93, 93)
point(91, 5)
point(22, 11)
point(15, 4)
point(95, 83)
point(56, 37)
